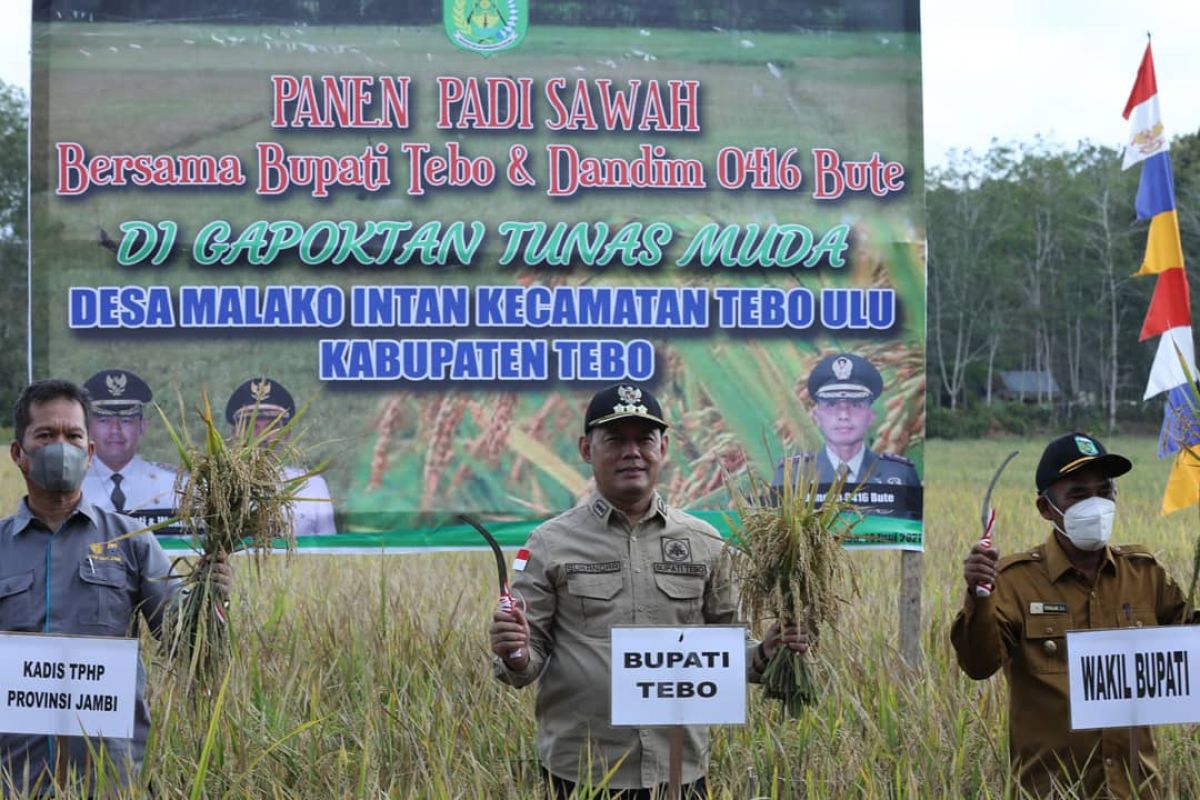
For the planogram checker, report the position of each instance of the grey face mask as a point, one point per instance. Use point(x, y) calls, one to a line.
point(57, 467)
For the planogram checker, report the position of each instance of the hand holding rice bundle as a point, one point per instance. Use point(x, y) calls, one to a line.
point(234, 495)
point(791, 567)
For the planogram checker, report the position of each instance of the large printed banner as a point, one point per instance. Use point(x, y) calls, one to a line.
point(449, 232)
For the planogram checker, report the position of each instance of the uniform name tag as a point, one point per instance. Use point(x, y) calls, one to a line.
point(668, 568)
point(603, 566)
point(1047, 608)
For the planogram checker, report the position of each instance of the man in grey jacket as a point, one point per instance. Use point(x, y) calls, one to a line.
point(65, 569)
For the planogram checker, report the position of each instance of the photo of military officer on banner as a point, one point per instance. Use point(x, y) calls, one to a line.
point(842, 390)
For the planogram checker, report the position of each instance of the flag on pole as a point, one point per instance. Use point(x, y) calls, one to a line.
point(1183, 484)
point(1170, 315)
point(1181, 421)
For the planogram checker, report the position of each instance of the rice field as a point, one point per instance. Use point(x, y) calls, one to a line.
point(368, 677)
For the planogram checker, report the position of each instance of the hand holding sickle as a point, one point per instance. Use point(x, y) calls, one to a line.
point(974, 567)
point(510, 630)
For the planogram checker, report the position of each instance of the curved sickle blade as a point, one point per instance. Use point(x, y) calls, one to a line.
point(501, 567)
point(985, 510)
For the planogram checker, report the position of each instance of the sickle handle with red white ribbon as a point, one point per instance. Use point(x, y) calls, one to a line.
point(984, 588)
point(987, 519)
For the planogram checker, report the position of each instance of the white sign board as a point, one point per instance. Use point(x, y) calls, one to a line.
point(1134, 676)
point(67, 685)
point(694, 675)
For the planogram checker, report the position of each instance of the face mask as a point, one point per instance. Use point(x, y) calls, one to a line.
point(58, 467)
point(1089, 522)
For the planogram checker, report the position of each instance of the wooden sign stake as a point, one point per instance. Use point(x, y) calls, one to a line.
point(675, 773)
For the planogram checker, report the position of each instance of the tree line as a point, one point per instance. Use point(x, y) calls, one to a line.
point(699, 14)
point(1031, 258)
point(14, 158)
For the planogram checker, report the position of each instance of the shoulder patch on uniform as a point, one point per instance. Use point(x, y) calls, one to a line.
point(1134, 551)
point(896, 458)
point(162, 466)
point(600, 507)
point(1023, 557)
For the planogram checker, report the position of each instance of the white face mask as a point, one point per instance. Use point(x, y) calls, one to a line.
point(1088, 523)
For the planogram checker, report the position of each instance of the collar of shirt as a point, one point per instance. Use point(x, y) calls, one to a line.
point(104, 472)
point(24, 516)
point(604, 510)
point(1057, 562)
point(855, 463)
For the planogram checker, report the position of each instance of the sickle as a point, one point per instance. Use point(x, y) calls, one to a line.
point(985, 510)
point(501, 567)
point(506, 598)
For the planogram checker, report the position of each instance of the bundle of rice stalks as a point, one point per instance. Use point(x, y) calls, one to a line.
point(233, 496)
point(788, 558)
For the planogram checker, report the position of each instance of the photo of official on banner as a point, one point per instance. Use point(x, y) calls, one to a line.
point(430, 238)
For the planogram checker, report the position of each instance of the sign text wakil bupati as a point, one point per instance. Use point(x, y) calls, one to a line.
point(1134, 676)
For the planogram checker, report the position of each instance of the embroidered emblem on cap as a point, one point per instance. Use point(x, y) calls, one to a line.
point(116, 383)
point(842, 367)
point(631, 401)
point(1086, 446)
point(677, 550)
point(260, 390)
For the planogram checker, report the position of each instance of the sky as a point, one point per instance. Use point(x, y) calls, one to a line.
point(1009, 71)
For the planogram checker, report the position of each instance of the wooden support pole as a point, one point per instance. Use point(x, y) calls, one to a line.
point(911, 569)
point(62, 758)
point(675, 768)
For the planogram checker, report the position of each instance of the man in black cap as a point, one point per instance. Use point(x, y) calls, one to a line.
point(842, 388)
point(1073, 580)
point(119, 479)
point(620, 557)
point(261, 403)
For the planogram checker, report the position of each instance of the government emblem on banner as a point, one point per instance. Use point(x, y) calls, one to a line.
point(485, 26)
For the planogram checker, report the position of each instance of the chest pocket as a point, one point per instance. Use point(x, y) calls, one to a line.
point(595, 595)
point(18, 611)
point(681, 605)
point(1045, 646)
point(1138, 617)
point(109, 603)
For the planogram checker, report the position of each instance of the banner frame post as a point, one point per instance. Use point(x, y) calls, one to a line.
point(911, 569)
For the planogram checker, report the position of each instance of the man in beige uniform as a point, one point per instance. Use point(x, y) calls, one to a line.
point(1074, 580)
point(621, 557)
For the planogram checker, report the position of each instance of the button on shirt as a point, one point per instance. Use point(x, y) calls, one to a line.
point(76, 580)
point(589, 569)
point(1038, 597)
point(145, 484)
